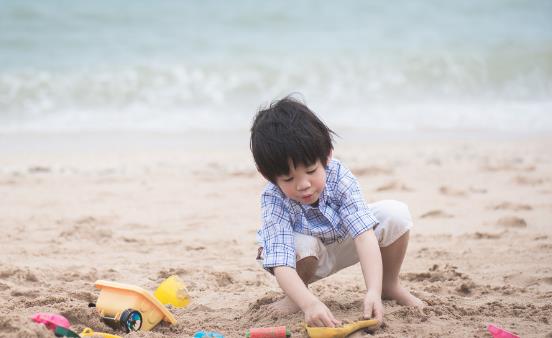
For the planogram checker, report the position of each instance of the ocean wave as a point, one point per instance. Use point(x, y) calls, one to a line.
point(149, 94)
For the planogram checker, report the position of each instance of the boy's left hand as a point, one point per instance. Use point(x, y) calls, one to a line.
point(373, 307)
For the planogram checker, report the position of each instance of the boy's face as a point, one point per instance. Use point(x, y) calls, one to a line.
point(303, 184)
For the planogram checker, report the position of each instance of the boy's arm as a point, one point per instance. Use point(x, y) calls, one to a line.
point(372, 269)
point(316, 313)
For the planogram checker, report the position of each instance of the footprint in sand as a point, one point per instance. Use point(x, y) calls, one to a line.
point(486, 235)
point(371, 171)
point(243, 173)
point(8, 182)
point(135, 226)
point(37, 169)
point(436, 214)
point(269, 298)
point(522, 279)
point(89, 228)
point(133, 240)
point(545, 247)
point(161, 275)
point(510, 206)
point(512, 222)
point(466, 288)
point(194, 308)
point(86, 232)
point(531, 181)
point(19, 275)
point(508, 165)
point(448, 191)
point(195, 247)
point(4, 287)
point(223, 278)
point(85, 296)
point(44, 301)
point(394, 186)
point(27, 293)
point(436, 273)
point(74, 274)
point(477, 190)
point(434, 161)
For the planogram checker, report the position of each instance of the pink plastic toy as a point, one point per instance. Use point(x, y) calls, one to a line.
point(497, 332)
point(51, 320)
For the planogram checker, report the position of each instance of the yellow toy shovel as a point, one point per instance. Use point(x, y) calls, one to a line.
point(172, 291)
point(340, 332)
point(88, 332)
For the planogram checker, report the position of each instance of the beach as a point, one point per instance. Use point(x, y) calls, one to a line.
point(124, 155)
point(137, 207)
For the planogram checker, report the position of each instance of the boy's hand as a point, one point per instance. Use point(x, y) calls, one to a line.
point(373, 307)
point(318, 314)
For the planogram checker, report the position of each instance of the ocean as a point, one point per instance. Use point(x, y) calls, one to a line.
point(172, 65)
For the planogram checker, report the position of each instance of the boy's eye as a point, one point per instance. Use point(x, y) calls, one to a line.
point(312, 171)
point(288, 179)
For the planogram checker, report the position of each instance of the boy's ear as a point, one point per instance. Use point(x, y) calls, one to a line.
point(330, 156)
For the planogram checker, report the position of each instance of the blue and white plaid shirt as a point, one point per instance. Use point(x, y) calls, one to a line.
point(341, 212)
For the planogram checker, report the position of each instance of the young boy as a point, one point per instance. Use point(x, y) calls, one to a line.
point(315, 221)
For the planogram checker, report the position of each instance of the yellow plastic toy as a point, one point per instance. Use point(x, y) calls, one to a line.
point(130, 307)
point(87, 332)
point(172, 291)
point(340, 332)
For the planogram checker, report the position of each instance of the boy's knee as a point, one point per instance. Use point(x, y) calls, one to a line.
point(395, 220)
point(396, 213)
point(306, 268)
point(306, 246)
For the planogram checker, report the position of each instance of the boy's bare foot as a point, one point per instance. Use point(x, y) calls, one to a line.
point(402, 296)
point(284, 306)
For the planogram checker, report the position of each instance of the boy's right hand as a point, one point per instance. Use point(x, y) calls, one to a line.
point(318, 314)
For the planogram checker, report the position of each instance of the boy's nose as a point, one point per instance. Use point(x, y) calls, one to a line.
point(303, 185)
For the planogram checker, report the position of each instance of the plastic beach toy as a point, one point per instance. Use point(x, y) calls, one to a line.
point(205, 334)
point(130, 307)
point(340, 332)
point(268, 332)
point(88, 332)
point(497, 332)
point(51, 320)
point(61, 331)
point(172, 291)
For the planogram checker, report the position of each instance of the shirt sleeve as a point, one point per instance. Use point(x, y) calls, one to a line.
point(354, 212)
point(276, 232)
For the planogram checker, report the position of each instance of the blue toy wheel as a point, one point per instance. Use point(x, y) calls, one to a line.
point(131, 320)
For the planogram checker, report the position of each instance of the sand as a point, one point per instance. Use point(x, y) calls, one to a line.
point(138, 207)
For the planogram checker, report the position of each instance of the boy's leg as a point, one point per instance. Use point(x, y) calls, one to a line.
point(392, 257)
point(305, 269)
point(307, 252)
point(316, 261)
point(393, 233)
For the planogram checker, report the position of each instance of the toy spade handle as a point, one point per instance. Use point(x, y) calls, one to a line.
point(268, 332)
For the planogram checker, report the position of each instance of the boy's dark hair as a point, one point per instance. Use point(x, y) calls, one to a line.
point(288, 130)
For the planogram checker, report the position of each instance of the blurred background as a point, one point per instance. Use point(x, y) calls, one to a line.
point(169, 65)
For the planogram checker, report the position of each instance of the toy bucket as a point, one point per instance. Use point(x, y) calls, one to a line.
point(172, 291)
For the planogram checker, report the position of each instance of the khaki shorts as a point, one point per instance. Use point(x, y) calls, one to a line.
point(394, 221)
